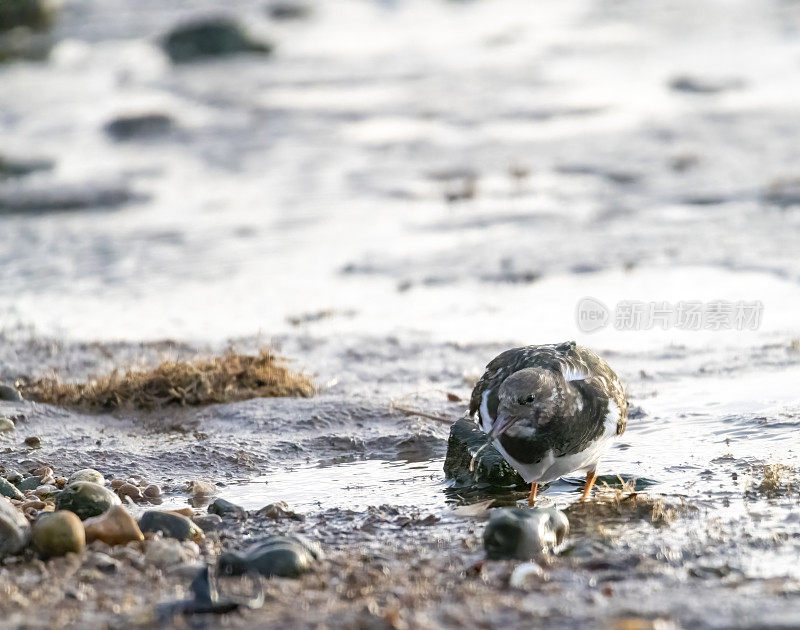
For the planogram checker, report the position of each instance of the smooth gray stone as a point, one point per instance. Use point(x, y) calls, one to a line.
point(524, 534)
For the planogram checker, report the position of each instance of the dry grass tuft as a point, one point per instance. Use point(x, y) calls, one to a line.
point(777, 479)
point(228, 378)
point(614, 505)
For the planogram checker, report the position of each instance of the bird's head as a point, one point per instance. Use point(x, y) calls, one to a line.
point(529, 397)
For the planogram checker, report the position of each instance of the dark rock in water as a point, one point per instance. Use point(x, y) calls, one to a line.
point(227, 509)
point(280, 556)
point(783, 192)
point(14, 529)
point(8, 392)
point(208, 522)
point(22, 26)
point(20, 168)
point(33, 441)
point(21, 199)
point(86, 499)
point(171, 525)
point(489, 469)
point(283, 10)
point(133, 127)
point(524, 534)
point(694, 85)
point(278, 512)
point(9, 490)
point(36, 15)
point(210, 38)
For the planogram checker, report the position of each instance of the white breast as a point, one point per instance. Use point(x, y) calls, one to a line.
point(551, 467)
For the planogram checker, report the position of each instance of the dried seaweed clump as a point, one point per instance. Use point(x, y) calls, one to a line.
point(619, 505)
point(223, 379)
point(777, 480)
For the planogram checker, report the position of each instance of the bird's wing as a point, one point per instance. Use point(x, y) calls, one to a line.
point(576, 363)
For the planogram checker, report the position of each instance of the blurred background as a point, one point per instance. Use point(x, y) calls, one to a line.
point(467, 169)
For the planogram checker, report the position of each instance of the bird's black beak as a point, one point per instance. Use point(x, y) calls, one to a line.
point(501, 425)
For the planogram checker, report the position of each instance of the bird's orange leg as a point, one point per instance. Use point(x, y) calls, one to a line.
point(590, 478)
point(532, 495)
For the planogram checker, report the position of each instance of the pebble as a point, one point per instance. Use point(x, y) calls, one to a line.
point(202, 488)
point(208, 522)
point(227, 509)
point(46, 491)
point(114, 527)
point(524, 534)
point(209, 38)
point(86, 474)
point(139, 126)
point(58, 533)
point(11, 393)
point(86, 499)
point(6, 425)
point(29, 483)
point(102, 562)
point(165, 552)
point(279, 511)
point(171, 525)
point(10, 490)
point(43, 472)
point(33, 442)
point(35, 504)
point(129, 490)
point(14, 529)
point(152, 491)
point(280, 556)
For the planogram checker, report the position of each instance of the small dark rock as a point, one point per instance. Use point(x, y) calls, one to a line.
point(36, 15)
point(524, 534)
point(171, 525)
point(695, 85)
point(489, 468)
point(86, 499)
point(280, 556)
point(65, 197)
point(19, 168)
point(227, 509)
point(144, 126)
point(210, 38)
point(29, 483)
point(209, 522)
point(278, 512)
point(9, 392)
point(32, 441)
point(8, 490)
point(283, 10)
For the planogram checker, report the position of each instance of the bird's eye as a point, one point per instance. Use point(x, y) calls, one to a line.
point(526, 400)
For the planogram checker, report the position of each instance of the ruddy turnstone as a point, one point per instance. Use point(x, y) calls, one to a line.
point(550, 410)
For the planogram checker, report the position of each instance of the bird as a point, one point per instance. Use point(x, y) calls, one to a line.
point(550, 410)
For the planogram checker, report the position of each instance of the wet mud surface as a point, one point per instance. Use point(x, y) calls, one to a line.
point(394, 195)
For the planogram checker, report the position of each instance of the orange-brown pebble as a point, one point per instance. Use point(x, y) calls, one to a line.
point(152, 491)
point(114, 527)
point(129, 490)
